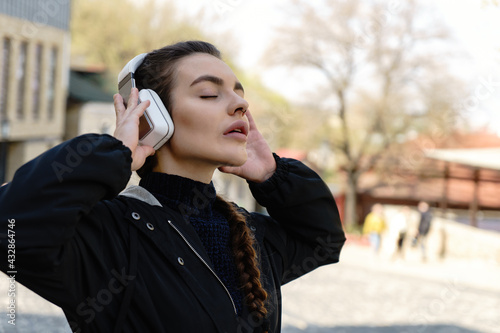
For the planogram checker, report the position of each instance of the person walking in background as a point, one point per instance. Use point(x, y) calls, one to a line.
point(424, 227)
point(374, 226)
point(399, 227)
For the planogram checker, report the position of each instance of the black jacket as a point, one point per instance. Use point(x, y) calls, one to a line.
point(122, 262)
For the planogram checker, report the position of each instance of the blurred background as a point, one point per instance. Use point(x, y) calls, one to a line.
point(391, 102)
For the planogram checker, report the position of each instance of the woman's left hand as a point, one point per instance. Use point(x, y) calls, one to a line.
point(260, 164)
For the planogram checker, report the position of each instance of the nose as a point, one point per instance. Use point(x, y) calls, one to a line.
point(238, 104)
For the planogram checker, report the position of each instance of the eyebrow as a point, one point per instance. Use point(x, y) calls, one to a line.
point(216, 80)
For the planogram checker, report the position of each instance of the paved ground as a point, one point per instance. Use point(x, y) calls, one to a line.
point(363, 293)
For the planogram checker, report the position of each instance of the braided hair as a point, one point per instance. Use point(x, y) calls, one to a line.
point(245, 258)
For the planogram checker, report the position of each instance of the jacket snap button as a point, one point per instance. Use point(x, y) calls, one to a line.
point(180, 261)
point(136, 216)
point(150, 226)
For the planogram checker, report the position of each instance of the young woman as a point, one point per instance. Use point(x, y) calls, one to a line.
point(169, 255)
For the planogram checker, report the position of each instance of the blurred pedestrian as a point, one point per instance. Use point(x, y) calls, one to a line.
point(399, 226)
point(374, 226)
point(424, 227)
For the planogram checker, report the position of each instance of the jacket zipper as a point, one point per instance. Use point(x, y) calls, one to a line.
point(206, 264)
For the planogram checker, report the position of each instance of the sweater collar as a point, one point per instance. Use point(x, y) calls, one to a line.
point(180, 193)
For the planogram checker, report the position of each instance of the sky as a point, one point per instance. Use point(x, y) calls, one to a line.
point(475, 25)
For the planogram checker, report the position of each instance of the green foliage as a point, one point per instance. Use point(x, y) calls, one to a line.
point(113, 31)
point(106, 34)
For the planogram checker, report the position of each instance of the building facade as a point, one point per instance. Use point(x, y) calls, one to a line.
point(34, 67)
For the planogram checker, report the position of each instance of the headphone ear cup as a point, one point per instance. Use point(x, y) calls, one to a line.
point(162, 126)
point(156, 98)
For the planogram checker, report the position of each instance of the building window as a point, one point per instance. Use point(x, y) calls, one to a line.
point(36, 81)
point(51, 88)
point(4, 80)
point(20, 79)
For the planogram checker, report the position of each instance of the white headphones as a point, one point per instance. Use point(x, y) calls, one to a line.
point(156, 126)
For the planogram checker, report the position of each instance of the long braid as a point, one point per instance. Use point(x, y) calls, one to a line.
point(245, 258)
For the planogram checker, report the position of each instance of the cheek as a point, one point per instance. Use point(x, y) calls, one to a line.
point(194, 125)
point(184, 117)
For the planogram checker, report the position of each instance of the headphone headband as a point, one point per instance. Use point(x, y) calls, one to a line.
point(131, 66)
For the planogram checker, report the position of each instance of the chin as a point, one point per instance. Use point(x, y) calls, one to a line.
point(236, 161)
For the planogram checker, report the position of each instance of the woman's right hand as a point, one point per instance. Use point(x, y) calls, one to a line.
point(127, 127)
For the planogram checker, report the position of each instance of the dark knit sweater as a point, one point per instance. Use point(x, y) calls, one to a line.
point(195, 200)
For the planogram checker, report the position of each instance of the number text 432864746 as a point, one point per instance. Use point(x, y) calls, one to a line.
point(11, 273)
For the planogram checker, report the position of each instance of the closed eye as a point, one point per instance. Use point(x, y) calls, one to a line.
point(209, 96)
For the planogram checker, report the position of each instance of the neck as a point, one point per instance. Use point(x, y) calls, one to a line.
point(180, 193)
point(187, 168)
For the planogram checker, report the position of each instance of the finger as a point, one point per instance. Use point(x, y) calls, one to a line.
point(145, 151)
point(118, 103)
point(141, 153)
point(141, 108)
point(133, 98)
point(251, 121)
point(227, 169)
point(150, 150)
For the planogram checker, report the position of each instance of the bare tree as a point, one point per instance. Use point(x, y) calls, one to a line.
point(379, 61)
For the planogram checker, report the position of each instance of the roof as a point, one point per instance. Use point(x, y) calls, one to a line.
point(450, 167)
point(488, 158)
point(459, 192)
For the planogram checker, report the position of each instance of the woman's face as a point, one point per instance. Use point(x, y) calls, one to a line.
point(208, 113)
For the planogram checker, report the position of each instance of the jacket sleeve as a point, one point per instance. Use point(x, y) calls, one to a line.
point(305, 228)
point(49, 196)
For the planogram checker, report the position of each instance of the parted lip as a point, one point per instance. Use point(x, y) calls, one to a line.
point(238, 126)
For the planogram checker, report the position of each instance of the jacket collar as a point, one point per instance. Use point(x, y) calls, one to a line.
point(140, 193)
point(180, 221)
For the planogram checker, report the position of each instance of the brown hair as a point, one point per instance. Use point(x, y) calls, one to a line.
point(245, 258)
point(158, 72)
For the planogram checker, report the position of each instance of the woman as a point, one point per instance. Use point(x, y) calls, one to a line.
point(169, 255)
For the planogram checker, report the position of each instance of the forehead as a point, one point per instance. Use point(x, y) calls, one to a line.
point(198, 64)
